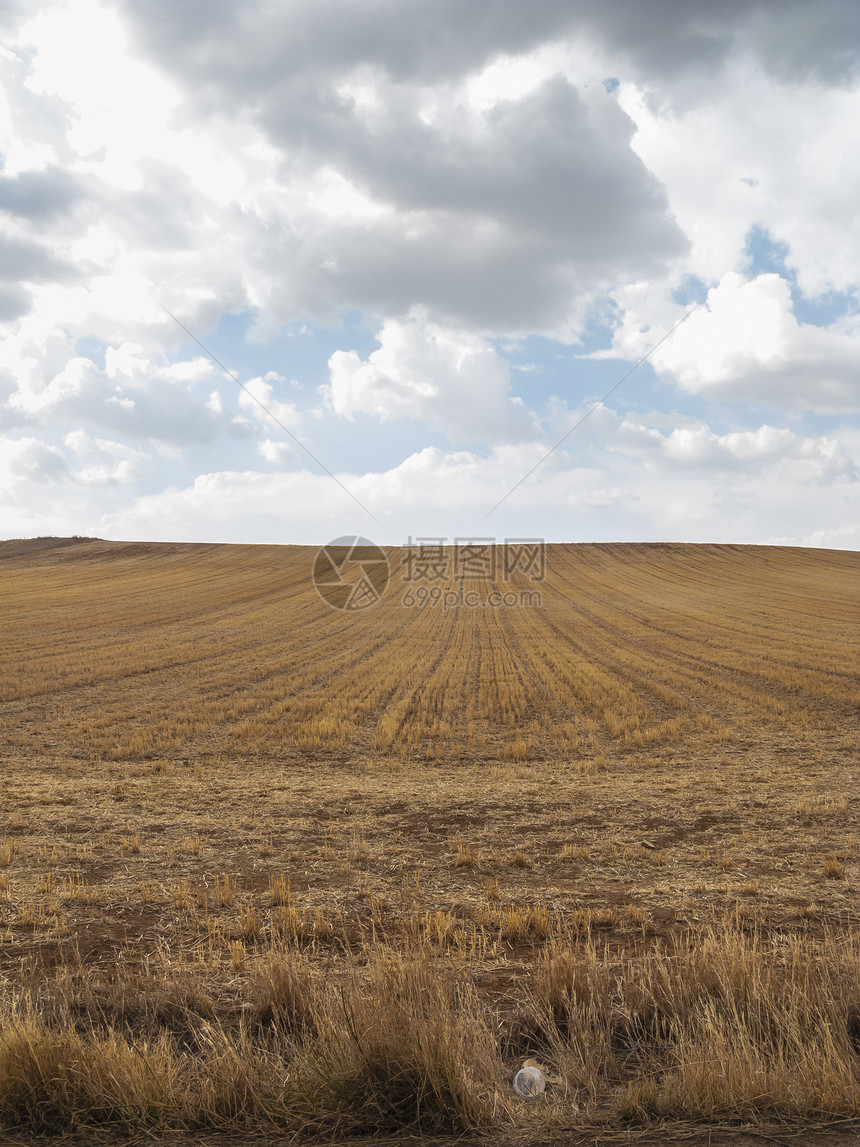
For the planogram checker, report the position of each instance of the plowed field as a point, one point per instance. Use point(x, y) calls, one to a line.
point(203, 761)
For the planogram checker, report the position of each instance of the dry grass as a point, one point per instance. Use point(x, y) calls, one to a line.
point(267, 866)
point(724, 1028)
point(394, 1046)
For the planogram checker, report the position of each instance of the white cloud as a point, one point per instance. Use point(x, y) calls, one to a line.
point(758, 153)
point(841, 538)
point(258, 398)
point(120, 104)
point(591, 496)
point(102, 461)
point(450, 379)
point(192, 370)
point(136, 396)
point(642, 496)
point(275, 452)
point(697, 449)
point(746, 344)
point(30, 460)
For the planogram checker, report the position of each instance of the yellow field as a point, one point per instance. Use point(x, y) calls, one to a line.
point(208, 771)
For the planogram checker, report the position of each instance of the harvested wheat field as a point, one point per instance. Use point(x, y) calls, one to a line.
point(269, 867)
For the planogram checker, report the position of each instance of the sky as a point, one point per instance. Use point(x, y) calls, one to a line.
point(425, 239)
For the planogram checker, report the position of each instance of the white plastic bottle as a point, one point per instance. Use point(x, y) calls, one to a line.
point(529, 1081)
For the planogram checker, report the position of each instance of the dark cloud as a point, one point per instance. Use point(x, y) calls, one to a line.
point(257, 47)
point(455, 269)
point(11, 10)
point(14, 302)
point(692, 39)
point(21, 262)
point(505, 219)
point(546, 165)
point(510, 219)
point(39, 195)
point(799, 42)
point(24, 261)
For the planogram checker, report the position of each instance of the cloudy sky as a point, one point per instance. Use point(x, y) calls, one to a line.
point(429, 236)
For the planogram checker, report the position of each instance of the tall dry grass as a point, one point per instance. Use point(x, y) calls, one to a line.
point(387, 1047)
point(728, 1027)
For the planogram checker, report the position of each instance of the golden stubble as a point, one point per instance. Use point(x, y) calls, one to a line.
point(206, 770)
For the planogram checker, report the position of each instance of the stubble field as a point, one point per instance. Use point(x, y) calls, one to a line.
point(270, 865)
